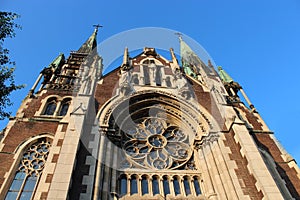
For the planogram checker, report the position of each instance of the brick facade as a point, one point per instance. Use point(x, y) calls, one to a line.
point(88, 146)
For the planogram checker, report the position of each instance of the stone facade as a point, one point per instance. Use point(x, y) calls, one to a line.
point(150, 129)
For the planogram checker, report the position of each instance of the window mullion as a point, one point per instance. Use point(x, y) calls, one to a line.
point(58, 104)
point(22, 187)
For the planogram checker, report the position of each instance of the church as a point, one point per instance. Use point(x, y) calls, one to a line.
point(151, 128)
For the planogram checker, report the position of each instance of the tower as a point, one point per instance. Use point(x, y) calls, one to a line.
point(152, 128)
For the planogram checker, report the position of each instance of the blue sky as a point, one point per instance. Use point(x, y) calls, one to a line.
point(256, 42)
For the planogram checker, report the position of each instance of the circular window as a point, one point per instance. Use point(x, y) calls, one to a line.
point(156, 143)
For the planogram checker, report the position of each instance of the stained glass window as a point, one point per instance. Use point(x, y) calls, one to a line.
point(29, 171)
point(187, 187)
point(197, 186)
point(123, 185)
point(155, 185)
point(176, 185)
point(166, 185)
point(133, 185)
point(50, 107)
point(145, 188)
point(64, 107)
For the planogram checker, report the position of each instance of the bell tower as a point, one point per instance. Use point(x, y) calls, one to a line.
point(39, 144)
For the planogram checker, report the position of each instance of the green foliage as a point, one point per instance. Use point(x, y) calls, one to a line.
point(7, 83)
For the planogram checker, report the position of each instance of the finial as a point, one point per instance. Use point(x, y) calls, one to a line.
point(97, 26)
point(125, 64)
point(224, 76)
point(209, 63)
point(174, 59)
point(179, 35)
point(173, 56)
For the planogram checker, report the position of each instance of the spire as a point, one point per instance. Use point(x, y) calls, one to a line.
point(126, 63)
point(173, 56)
point(224, 76)
point(126, 57)
point(192, 65)
point(57, 61)
point(90, 43)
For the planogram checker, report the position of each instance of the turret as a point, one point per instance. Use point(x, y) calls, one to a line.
point(233, 87)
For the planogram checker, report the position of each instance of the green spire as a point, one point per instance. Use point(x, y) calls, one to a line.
point(57, 61)
point(191, 63)
point(90, 44)
point(224, 76)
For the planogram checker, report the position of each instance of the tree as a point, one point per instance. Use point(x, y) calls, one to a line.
point(7, 67)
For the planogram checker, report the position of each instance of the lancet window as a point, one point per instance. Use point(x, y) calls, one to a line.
point(56, 106)
point(29, 171)
point(50, 106)
point(187, 185)
point(64, 107)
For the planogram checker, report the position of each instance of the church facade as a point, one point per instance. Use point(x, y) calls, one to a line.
point(152, 128)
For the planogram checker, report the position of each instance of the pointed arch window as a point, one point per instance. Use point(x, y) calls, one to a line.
point(50, 106)
point(29, 171)
point(186, 183)
point(176, 184)
point(155, 185)
point(133, 185)
point(145, 187)
point(123, 185)
point(64, 107)
point(197, 186)
point(166, 185)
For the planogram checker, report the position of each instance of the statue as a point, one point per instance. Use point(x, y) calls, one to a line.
point(125, 80)
point(152, 72)
point(182, 85)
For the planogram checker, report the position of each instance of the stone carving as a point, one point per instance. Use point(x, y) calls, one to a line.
point(152, 73)
point(85, 80)
point(34, 159)
point(156, 144)
point(176, 102)
point(208, 139)
point(182, 85)
point(125, 84)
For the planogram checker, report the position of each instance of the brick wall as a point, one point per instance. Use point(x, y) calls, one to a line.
point(242, 172)
point(19, 133)
point(288, 174)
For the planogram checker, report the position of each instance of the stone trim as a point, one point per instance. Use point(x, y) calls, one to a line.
point(246, 179)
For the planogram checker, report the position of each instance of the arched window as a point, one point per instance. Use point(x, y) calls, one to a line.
point(166, 185)
point(64, 107)
point(133, 185)
point(176, 184)
point(187, 187)
point(29, 171)
point(155, 186)
point(197, 186)
point(123, 185)
point(145, 187)
point(50, 106)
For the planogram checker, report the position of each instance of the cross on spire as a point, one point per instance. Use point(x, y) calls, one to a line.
point(97, 26)
point(179, 35)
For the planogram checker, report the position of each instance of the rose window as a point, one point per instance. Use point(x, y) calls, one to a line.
point(157, 144)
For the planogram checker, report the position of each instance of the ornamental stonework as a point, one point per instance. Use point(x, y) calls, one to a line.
point(157, 144)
